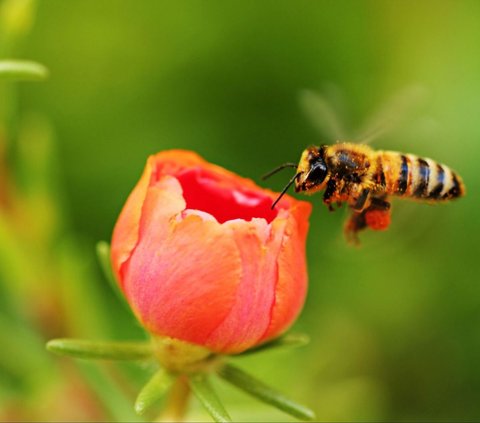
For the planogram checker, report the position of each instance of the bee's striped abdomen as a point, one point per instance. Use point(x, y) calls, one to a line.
point(419, 178)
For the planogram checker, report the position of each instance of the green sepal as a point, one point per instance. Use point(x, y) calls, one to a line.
point(153, 391)
point(206, 395)
point(95, 350)
point(293, 340)
point(22, 70)
point(264, 393)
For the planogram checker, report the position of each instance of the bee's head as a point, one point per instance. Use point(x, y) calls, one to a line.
point(311, 171)
point(310, 175)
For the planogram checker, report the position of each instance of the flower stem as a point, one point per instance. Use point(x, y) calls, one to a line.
point(177, 402)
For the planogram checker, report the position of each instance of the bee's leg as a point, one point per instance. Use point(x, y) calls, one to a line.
point(376, 216)
point(360, 201)
point(329, 193)
point(380, 203)
point(355, 223)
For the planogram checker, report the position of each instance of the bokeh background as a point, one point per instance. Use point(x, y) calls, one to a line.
point(395, 324)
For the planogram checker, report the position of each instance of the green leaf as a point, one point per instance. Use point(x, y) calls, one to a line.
point(153, 391)
point(206, 395)
point(22, 70)
point(293, 340)
point(264, 393)
point(80, 348)
point(103, 254)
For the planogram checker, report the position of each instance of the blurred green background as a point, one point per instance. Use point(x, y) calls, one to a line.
point(395, 324)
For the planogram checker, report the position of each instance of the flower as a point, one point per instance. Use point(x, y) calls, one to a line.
point(201, 257)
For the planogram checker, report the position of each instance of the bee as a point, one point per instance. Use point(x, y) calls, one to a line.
point(365, 179)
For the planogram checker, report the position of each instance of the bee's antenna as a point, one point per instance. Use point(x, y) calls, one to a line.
point(290, 182)
point(278, 169)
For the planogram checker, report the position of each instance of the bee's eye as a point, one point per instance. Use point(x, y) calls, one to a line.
point(318, 172)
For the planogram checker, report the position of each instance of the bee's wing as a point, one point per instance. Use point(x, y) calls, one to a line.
point(322, 115)
point(395, 111)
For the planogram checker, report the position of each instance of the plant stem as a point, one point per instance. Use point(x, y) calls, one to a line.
point(177, 402)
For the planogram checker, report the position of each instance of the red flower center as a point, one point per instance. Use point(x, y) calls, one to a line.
point(207, 192)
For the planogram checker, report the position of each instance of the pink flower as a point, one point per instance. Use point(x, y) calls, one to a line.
point(201, 256)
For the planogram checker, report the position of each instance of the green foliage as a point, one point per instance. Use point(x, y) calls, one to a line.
point(393, 324)
point(101, 350)
point(161, 382)
point(258, 389)
point(291, 340)
point(153, 391)
point(206, 395)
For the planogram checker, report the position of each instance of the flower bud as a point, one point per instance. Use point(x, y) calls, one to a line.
point(201, 256)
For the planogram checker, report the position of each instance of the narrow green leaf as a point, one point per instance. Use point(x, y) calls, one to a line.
point(103, 255)
point(153, 391)
point(22, 70)
point(264, 393)
point(293, 340)
point(206, 395)
point(80, 348)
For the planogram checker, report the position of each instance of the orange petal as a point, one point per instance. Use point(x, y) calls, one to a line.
point(249, 318)
point(183, 275)
point(291, 287)
point(125, 233)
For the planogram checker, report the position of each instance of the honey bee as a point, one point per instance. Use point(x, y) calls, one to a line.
point(364, 179)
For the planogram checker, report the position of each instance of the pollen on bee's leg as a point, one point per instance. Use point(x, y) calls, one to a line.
point(378, 220)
